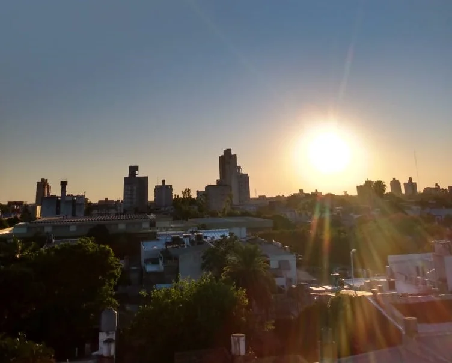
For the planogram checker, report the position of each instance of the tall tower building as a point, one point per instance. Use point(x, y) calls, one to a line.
point(231, 175)
point(396, 187)
point(42, 190)
point(135, 192)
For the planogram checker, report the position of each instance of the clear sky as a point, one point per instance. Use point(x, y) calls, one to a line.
point(90, 87)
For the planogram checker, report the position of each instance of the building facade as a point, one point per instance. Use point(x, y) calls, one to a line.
point(244, 188)
point(163, 195)
point(396, 187)
point(410, 187)
point(107, 207)
point(135, 192)
point(231, 174)
point(218, 197)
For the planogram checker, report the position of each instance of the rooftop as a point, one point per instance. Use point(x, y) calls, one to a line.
point(250, 222)
point(90, 219)
point(425, 349)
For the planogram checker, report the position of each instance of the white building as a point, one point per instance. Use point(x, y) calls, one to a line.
point(419, 273)
point(283, 263)
point(152, 259)
point(163, 195)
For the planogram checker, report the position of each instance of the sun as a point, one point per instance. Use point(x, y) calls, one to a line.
point(329, 153)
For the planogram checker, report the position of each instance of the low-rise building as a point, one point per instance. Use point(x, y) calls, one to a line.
point(283, 263)
point(218, 197)
point(68, 227)
point(105, 207)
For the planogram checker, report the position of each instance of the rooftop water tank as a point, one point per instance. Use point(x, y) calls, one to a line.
point(108, 320)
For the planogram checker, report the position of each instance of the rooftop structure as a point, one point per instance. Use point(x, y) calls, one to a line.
point(68, 227)
point(240, 226)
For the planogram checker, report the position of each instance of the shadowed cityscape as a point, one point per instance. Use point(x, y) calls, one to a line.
point(226, 181)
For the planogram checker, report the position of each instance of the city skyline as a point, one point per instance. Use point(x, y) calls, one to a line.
point(89, 89)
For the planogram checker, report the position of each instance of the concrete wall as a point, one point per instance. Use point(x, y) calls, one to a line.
point(79, 229)
point(49, 207)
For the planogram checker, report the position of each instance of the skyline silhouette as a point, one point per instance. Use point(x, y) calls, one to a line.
point(90, 88)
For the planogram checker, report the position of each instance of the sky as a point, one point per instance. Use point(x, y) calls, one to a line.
point(90, 87)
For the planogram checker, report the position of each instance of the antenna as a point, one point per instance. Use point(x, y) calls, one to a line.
point(417, 169)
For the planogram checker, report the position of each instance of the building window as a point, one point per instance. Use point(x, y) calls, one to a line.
point(72, 228)
point(47, 229)
point(121, 226)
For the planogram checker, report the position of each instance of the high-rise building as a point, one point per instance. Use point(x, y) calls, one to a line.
point(244, 187)
point(232, 176)
point(396, 187)
point(135, 192)
point(410, 187)
point(42, 190)
point(163, 195)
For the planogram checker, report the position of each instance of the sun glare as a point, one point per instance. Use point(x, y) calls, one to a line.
point(328, 153)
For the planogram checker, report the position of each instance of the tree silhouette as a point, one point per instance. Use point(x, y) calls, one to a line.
point(379, 188)
point(248, 268)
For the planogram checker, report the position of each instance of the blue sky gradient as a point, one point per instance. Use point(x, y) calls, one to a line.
point(90, 87)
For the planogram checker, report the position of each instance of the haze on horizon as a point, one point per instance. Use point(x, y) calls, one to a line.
point(88, 88)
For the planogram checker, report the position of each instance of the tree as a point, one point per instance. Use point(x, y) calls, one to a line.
point(248, 268)
point(100, 233)
point(3, 223)
point(21, 350)
point(71, 284)
point(26, 215)
point(379, 188)
point(186, 193)
point(185, 207)
point(190, 315)
point(282, 222)
point(215, 259)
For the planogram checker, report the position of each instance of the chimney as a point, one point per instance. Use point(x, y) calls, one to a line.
point(163, 182)
point(63, 184)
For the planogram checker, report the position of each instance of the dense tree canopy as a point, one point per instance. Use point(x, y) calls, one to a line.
point(65, 286)
point(379, 188)
point(249, 269)
point(21, 350)
point(188, 316)
point(215, 259)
